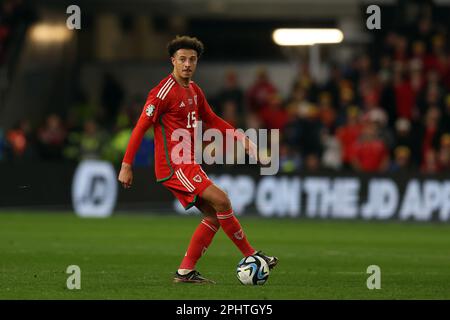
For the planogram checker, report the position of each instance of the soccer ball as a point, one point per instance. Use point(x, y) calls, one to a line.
point(252, 270)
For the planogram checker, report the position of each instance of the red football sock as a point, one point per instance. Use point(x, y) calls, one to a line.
point(234, 231)
point(200, 241)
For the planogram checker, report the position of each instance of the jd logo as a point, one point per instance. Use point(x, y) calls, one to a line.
point(74, 20)
point(374, 20)
point(94, 189)
point(96, 192)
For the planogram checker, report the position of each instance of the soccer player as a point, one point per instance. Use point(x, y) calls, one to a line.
point(177, 102)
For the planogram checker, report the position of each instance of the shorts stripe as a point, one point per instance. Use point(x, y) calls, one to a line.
point(183, 182)
point(185, 179)
point(164, 87)
point(209, 226)
point(187, 186)
point(204, 172)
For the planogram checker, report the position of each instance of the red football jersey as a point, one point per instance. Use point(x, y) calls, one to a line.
point(171, 106)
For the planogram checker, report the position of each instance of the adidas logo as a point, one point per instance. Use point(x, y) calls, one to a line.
point(182, 104)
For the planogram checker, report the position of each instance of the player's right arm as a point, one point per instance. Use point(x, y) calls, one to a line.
point(152, 110)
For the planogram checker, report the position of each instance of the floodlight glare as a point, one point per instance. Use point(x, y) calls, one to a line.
point(306, 37)
point(50, 33)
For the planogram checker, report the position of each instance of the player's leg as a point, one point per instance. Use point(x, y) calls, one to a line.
point(208, 212)
point(219, 200)
point(186, 185)
point(202, 237)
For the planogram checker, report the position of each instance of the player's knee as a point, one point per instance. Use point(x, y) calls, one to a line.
point(223, 204)
point(213, 220)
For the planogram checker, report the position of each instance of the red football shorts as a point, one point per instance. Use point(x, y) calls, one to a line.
point(187, 183)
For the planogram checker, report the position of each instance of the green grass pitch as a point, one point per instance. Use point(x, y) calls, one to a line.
point(134, 256)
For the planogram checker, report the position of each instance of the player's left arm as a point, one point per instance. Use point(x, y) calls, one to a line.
point(212, 120)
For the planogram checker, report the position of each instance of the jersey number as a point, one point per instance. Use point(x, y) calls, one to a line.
point(191, 120)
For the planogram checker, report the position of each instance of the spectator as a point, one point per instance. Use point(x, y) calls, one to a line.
point(348, 135)
point(289, 159)
point(311, 132)
point(437, 59)
point(51, 138)
point(400, 53)
point(444, 153)
point(307, 83)
point(371, 153)
point(312, 162)
point(404, 95)
point(232, 92)
point(379, 117)
point(115, 148)
point(430, 133)
point(327, 113)
point(92, 141)
point(417, 61)
point(332, 85)
point(402, 160)
point(20, 144)
point(260, 92)
point(253, 121)
point(88, 144)
point(230, 113)
point(347, 99)
point(430, 162)
point(332, 154)
point(406, 137)
point(298, 100)
point(273, 115)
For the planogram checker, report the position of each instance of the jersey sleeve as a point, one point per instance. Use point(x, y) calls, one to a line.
point(211, 119)
point(152, 110)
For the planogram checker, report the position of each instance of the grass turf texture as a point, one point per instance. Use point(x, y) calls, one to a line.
point(134, 257)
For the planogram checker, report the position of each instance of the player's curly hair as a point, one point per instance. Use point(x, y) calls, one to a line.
point(185, 42)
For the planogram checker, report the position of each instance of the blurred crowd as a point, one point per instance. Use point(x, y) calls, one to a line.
point(387, 111)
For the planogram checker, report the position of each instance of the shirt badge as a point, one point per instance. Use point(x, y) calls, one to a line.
point(149, 110)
